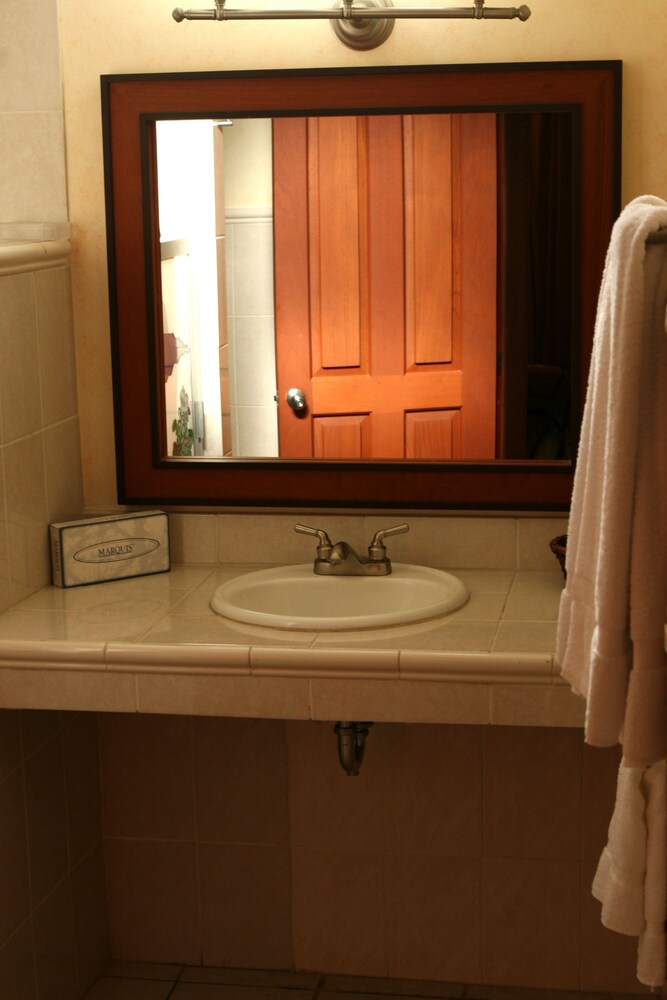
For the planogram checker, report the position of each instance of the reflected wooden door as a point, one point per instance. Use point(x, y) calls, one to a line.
point(385, 249)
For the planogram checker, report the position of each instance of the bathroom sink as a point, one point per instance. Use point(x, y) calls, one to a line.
point(293, 597)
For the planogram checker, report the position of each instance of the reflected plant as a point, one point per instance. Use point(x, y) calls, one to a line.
point(184, 434)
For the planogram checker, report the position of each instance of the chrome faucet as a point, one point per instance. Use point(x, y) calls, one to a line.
point(341, 559)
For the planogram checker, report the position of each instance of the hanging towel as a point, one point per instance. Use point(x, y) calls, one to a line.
point(610, 642)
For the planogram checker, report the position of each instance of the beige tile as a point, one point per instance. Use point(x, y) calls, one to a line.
point(146, 776)
point(535, 705)
point(338, 911)
point(55, 338)
point(240, 768)
point(467, 543)
point(475, 667)
point(533, 537)
point(534, 596)
point(55, 961)
point(252, 977)
point(82, 785)
point(89, 912)
point(26, 512)
point(93, 690)
point(531, 923)
point(271, 538)
point(485, 581)
point(14, 876)
point(255, 697)
point(439, 634)
point(62, 461)
point(192, 538)
point(46, 815)
point(212, 628)
point(600, 774)
point(399, 701)
point(322, 662)
point(20, 406)
point(526, 637)
point(108, 988)
point(245, 905)
point(328, 809)
point(608, 960)
point(152, 901)
point(371, 986)
point(532, 792)
point(433, 779)
point(433, 917)
point(17, 965)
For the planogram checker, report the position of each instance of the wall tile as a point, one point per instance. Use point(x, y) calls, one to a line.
point(600, 774)
point(461, 542)
point(55, 338)
point(192, 537)
point(17, 965)
point(82, 785)
point(272, 539)
point(27, 538)
point(433, 915)
point(533, 537)
point(337, 911)
point(55, 961)
point(531, 923)
point(38, 727)
point(532, 792)
point(10, 741)
point(62, 464)
point(14, 878)
point(328, 809)
point(147, 782)
point(434, 790)
point(19, 382)
point(252, 928)
point(152, 901)
point(241, 780)
point(90, 925)
point(46, 818)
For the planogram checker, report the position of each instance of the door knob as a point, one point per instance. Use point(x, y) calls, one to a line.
point(297, 400)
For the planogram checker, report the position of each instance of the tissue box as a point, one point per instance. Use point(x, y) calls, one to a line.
point(109, 548)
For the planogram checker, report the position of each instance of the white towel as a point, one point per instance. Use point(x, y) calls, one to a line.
point(610, 641)
point(615, 501)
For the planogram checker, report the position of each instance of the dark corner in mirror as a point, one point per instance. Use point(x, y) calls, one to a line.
point(367, 288)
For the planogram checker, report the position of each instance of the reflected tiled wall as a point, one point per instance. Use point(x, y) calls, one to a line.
point(40, 462)
point(252, 365)
point(53, 925)
point(460, 853)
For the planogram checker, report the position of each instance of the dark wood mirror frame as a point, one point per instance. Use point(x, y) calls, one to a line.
point(591, 91)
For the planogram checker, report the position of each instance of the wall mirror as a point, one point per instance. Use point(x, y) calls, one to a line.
point(368, 288)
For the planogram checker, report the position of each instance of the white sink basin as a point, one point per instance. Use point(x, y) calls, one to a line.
point(293, 597)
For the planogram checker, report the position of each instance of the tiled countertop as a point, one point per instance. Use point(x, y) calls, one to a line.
point(154, 645)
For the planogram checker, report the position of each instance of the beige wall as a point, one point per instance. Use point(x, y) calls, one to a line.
point(134, 36)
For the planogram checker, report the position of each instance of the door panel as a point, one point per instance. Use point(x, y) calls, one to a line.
point(397, 283)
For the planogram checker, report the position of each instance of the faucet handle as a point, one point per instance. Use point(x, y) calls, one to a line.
point(376, 550)
point(324, 545)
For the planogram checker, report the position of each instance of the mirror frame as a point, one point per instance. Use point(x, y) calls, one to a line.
point(591, 91)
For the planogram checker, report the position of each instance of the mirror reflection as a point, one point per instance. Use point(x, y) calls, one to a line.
point(311, 283)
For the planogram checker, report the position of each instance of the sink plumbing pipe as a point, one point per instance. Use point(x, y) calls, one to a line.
point(351, 745)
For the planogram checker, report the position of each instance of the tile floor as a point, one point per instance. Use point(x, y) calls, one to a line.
point(145, 981)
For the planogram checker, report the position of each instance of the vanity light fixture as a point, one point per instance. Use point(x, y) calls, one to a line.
point(359, 24)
